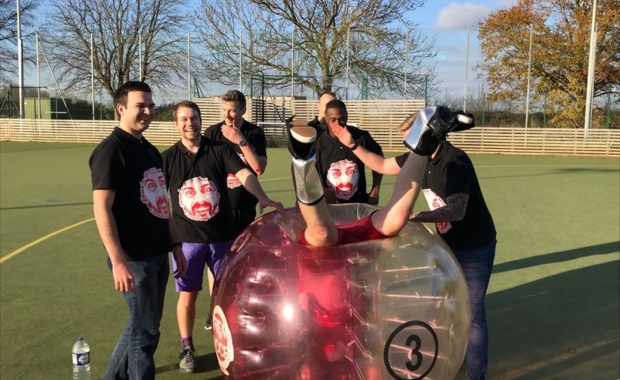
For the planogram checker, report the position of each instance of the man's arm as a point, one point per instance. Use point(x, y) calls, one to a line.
point(393, 217)
point(106, 225)
point(373, 147)
point(250, 182)
point(256, 162)
point(375, 162)
point(453, 211)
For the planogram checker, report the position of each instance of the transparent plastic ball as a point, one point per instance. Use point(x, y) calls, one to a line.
point(394, 308)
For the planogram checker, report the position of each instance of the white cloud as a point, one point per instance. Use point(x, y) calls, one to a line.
point(506, 3)
point(460, 15)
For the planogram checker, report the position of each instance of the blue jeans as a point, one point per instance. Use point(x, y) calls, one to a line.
point(132, 357)
point(477, 265)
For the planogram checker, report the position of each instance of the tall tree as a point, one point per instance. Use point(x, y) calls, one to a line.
point(265, 29)
point(8, 34)
point(117, 27)
point(560, 48)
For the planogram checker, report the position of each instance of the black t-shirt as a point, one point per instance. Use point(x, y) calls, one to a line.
point(452, 172)
point(240, 198)
point(340, 169)
point(133, 169)
point(201, 209)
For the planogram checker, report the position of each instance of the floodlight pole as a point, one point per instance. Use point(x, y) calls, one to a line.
point(529, 70)
point(241, 57)
point(20, 62)
point(140, 55)
point(591, 71)
point(346, 91)
point(466, 72)
point(92, 75)
point(189, 69)
point(293, 65)
point(36, 43)
point(406, 60)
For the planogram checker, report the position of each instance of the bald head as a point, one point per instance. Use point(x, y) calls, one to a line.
point(324, 98)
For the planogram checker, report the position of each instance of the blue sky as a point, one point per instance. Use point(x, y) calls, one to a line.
point(447, 21)
point(451, 14)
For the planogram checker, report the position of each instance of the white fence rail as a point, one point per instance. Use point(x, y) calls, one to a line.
point(532, 141)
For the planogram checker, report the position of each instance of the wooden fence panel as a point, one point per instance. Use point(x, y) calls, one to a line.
point(380, 118)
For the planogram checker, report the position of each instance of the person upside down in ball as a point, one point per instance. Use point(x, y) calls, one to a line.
point(324, 290)
point(429, 128)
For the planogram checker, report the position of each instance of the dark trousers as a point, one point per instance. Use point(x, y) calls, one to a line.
point(477, 265)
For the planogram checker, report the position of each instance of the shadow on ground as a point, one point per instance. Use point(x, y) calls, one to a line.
point(564, 326)
point(557, 257)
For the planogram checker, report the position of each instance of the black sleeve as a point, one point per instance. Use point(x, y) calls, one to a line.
point(166, 164)
point(106, 167)
point(210, 131)
point(400, 160)
point(457, 178)
point(370, 144)
point(257, 140)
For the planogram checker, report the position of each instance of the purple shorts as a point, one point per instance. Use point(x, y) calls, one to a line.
point(197, 255)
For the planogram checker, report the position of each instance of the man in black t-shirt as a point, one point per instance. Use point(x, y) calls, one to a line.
point(342, 174)
point(248, 140)
point(462, 219)
point(197, 170)
point(130, 204)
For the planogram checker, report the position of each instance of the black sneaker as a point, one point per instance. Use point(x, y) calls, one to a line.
point(301, 139)
point(209, 322)
point(187, 365)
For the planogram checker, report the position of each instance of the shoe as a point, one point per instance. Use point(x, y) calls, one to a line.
point(301, 139)
point(187, 359)
point(209, 322)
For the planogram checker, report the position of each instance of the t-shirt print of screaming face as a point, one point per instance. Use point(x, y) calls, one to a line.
point(199, 199)
point(153, 193)
point(342, 178)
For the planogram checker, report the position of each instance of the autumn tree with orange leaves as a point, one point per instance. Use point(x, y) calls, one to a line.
point(560, 51)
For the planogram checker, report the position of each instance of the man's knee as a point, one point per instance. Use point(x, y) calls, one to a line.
point(188, 298)
point(321, 236)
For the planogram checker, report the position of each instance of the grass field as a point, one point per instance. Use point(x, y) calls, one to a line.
point(553, 302)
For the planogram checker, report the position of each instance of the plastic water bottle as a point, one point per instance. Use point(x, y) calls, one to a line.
point(81, 360)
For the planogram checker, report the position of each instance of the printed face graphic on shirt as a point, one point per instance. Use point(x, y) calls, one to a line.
point(342, 178)
point(434, 202)
point(153, 193)
point(199, 199)
point(232, 181)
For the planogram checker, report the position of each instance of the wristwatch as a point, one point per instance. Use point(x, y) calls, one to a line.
point(243, 142)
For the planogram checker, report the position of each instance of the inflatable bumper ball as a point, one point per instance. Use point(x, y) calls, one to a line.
point(395, 308)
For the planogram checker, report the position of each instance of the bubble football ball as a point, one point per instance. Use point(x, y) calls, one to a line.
point(393, 308)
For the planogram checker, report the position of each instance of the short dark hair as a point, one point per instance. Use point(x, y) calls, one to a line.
point(336, 104)
point(234, 96)
point(186, 104)
point(120, 96)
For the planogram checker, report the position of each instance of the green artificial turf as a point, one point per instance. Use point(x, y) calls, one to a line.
point(552, 302)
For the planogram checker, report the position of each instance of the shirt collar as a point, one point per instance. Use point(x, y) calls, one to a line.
point(128, 137)
point(442, 150)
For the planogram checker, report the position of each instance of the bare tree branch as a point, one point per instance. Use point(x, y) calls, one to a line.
point(376, 32)
point(117, 26)
point(8, 34)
